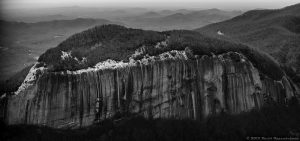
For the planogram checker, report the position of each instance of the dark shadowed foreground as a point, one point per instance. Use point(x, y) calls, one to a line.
point(270, 121)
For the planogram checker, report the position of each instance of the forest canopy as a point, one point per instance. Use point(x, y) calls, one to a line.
point(119, 43)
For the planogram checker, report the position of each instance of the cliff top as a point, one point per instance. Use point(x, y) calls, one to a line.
point(119, 43)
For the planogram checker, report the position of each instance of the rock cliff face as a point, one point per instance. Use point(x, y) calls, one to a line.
point(171, 88)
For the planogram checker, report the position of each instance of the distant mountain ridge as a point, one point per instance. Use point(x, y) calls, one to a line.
point(276, 32)
point(10, 28)
point(178, 19)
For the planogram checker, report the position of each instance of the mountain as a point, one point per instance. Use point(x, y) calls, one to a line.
point(111, 72)
point(170, 12)
point(150, 14)
point(21, 43)
point(9, 29)
point(213, 14)
point(166, 12)
point(131, 17)
point(276, 32)
point(39, 18)
point(68, 13)
point(178, 19)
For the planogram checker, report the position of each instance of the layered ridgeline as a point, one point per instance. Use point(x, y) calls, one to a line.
point(112, 72)
point(276, 32)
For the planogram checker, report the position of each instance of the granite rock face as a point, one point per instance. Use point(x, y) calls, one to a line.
point(175, 88)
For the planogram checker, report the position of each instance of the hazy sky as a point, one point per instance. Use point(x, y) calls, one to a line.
point(222, 4)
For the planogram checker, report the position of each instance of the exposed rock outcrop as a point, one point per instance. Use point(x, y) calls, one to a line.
point(171, 88)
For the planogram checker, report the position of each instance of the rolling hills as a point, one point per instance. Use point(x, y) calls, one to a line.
point(276, 32)
point(177, 19)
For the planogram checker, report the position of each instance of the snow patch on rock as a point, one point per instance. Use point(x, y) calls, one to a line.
point(30, 78)
point(66, 55)
point(174, 54)
point(111, 64)
point(146, 60)
point(139, 51)
point(84, 60)
point(162, 44)
point(220, 33)
point(3, 96)
point(107, 64)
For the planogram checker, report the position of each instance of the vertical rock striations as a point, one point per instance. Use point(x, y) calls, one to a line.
point(173, 88)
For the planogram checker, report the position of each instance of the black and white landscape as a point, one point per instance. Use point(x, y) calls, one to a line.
point(149, 70)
